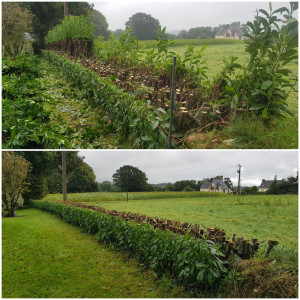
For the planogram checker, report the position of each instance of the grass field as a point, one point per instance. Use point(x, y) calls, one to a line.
point(262, 216)
point(43, 257)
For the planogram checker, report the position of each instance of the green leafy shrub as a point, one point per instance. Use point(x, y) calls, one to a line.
point(24, 119)
point(74, 27)
point(265, 82)
point(189, 261)
point(133, 118)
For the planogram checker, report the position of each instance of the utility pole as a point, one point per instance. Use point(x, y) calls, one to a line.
point(239, 181)
point(64, 175)
point(66, 9)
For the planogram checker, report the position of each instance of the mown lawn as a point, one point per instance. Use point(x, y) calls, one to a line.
point(43, 257)
point(264, 217)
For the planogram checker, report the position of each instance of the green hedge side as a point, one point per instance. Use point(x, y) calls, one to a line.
point(187, 260)
point(73, 27)
point(133, 119)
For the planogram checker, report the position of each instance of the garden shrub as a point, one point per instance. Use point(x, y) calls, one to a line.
point(187, 260)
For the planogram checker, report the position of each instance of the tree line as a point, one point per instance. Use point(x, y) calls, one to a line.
point(30, 175)
point(31, 21)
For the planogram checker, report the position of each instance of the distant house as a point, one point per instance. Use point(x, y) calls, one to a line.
point(215, 185)
point(265, 185)
point(230, 32)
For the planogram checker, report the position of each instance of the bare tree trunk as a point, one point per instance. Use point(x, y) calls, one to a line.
point(64, 175)
point(66, 9)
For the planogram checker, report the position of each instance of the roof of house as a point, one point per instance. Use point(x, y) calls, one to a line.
point(217, 182)
point(234, 29)
point(265, 184)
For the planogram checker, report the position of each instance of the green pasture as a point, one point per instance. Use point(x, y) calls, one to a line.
point(261, 216)
point(44, 257)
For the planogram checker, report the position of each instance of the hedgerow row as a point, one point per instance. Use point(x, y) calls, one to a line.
point(230, 247)
point(132, 118)
point(187, 260)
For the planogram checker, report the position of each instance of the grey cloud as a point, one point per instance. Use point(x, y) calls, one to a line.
point(173, 165)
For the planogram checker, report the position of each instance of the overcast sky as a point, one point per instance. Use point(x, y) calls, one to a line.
point(163, 166)
point(176, 15)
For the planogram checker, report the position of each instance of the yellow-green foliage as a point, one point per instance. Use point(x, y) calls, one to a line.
point(99, 197)
point(74, 27)
point(192, 42)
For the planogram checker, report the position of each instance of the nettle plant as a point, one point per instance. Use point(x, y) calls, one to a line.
point(266, 81)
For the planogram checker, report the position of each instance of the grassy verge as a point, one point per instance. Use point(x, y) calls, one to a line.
point(42, 257)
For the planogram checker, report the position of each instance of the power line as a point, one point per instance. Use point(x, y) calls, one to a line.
point(270, 173)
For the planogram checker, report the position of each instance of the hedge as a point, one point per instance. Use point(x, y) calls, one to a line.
point(133, 119)
point(187, 260)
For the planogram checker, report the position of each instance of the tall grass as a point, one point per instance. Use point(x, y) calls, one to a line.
point(250, 132)
point(99, 197)
point(192, 42)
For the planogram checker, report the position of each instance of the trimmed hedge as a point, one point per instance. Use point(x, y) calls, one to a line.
point(133, 119)
point(73, 27)
point(187, 260)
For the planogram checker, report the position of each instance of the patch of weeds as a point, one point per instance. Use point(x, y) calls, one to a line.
point(214, 139)
point(251, 132)
point(262, 278)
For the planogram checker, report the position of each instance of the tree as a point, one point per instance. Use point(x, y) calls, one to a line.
point(130, 179)
point(101, 25)
point(106, 186)
point(285, 186)
point(14, 173)
point(46, 175)
point(249, 190)
point(49, 14)
point(16, 21)
point(228, 182)
point(144, 26)
point(82, 179)
point(43, 164)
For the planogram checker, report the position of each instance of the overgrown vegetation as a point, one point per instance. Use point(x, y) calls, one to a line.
point(262, 85)
point(203, 105)
point(144, 125)
point(25, 121)
point(265, 82)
